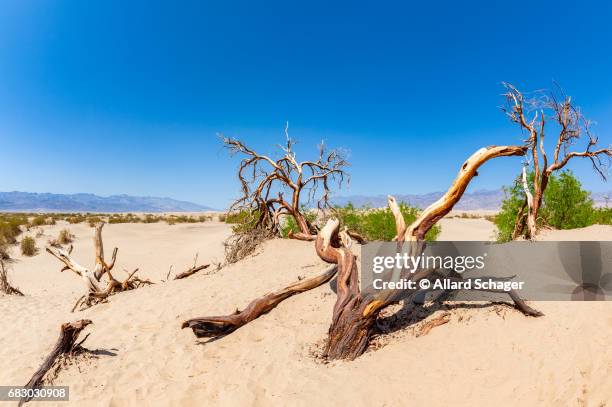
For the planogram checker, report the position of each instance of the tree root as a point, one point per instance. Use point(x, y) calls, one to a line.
point(217, 326)
point(65, 345)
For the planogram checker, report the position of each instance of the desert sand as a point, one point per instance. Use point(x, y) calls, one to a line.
point(486, 355)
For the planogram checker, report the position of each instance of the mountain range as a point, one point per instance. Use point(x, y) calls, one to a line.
point(47, 202)
point(481, 199)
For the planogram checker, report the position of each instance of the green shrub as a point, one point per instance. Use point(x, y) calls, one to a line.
point(124, 218)
point(39, 221)
point(378, 224)
point(565, 205)
point(76, 219)
point(290, 225)
point(151, 218)
point(243, 221)
point(602, 216)
point(239, 217)
point(28, 246)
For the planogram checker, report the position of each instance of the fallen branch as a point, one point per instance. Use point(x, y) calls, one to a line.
point(5, 286)
point(211, 327)
point(194, 269)
point(65, 345)
point(191, 271)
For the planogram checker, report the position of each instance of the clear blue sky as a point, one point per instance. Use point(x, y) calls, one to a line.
point(110, 97)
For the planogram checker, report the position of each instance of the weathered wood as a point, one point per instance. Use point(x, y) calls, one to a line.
point(96, 291)
point(437, 210)
point(5, 285)
point(66, 345)
point(572, 125)
point(217, 326)
point(191, 271)
point(354, 314)
point(531, 215)
point(264, 181)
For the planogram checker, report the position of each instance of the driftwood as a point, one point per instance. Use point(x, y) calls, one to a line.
point(573, 127)
point(96, 290)
point(354, 314)
point(66, 345)
point(5, 285)
point(223, 325)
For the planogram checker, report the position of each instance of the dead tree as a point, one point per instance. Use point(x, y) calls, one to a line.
point(66, 346)
point(556, 109)
point(5, 285)
point(265, 182)
point(354, 314)
point(97, 291)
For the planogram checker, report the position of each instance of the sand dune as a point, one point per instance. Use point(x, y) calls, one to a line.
point(485, 355)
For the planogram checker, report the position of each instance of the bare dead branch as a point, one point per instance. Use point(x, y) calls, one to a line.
point(207, 327)
point(191, 271)
point(96, 292)
point(556, 107)
point(265, 181)
point(5, 285)
point(66, 345)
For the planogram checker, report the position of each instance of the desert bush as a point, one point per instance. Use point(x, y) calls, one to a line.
point(148, 218)
point(38, 221)
point(290, 225)
point(565, 205)
point(92, 221)
point(243, 221)
point(602, 216)
point(237, 217)
point(222, 217)
point(28, 246)
point(378, 224)
point(74, 219)
point(65, 236)
point(10, 227)
point(4, 250)
point(124, 218)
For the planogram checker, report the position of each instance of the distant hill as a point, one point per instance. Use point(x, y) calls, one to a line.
point(47, 202)
point(482, 199)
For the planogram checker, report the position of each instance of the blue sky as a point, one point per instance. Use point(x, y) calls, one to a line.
point(110, 97)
